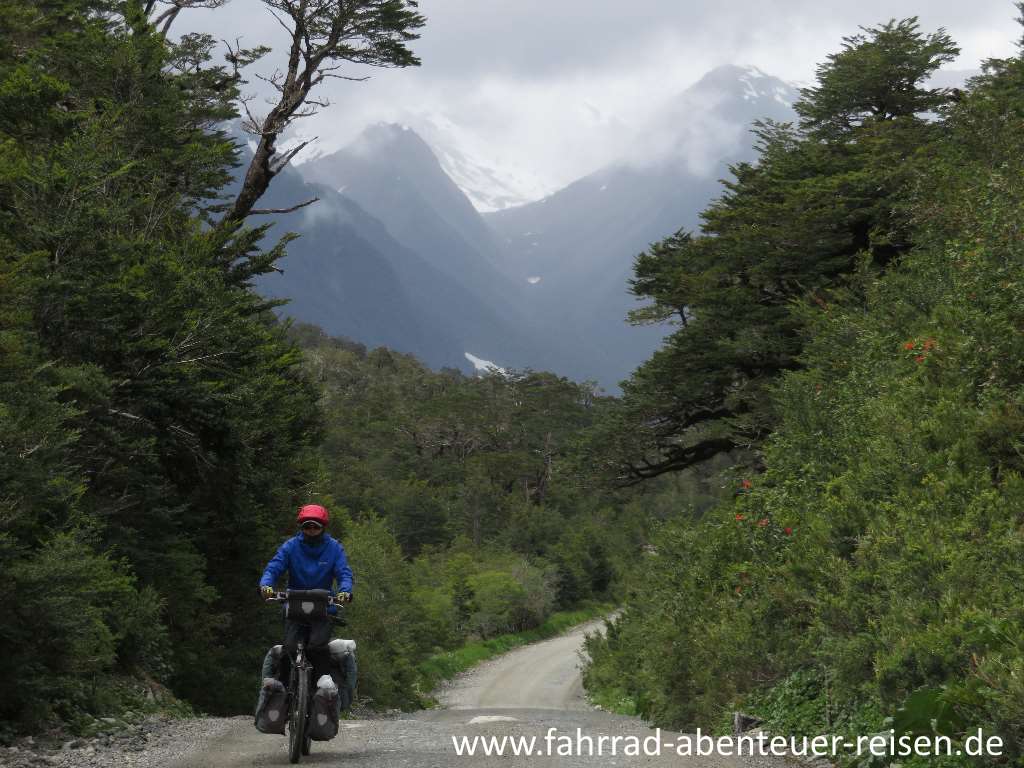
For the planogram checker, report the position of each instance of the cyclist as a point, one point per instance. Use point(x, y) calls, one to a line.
point(313, 560)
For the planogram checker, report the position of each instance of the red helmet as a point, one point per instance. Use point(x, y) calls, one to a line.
point(312, 512)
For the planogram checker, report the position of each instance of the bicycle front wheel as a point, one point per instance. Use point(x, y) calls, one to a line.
point(297, 721)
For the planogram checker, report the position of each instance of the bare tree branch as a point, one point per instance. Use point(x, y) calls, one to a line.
point(287, 156)
point(280, 21)
point(268, 211)
point(677, 458)
point(344, 77)
point(167, 17)
point(323, 33)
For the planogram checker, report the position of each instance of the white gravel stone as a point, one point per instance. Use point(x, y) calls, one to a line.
point(153, 743)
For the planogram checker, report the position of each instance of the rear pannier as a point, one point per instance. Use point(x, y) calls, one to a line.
point(343, 663)
point(323, 715)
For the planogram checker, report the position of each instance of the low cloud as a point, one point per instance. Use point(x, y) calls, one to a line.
point(564, 88)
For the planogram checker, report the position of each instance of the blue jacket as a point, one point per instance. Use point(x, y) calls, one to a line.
point(310, 567)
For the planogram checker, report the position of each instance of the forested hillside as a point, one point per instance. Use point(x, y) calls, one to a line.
point(850, 333)
point(809, 501)
point(153, 420)
point(158, 426)
point(463, 513)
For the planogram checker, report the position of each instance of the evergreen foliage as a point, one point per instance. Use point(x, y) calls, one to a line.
point(154, 420)
point(822, 197)
point(873, 569)
point(457, 501)
point(157, 423)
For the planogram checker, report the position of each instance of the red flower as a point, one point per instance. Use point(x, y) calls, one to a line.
point(788, 531)
point(746, 485)
point(763, 522)
point(740, 517)
point(929, 344)
point(919, 359)
point(908, 345)
point(739, 590)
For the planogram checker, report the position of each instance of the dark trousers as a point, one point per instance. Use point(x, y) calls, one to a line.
point(316, 635)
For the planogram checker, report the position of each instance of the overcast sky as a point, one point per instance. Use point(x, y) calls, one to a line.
point(546, 86)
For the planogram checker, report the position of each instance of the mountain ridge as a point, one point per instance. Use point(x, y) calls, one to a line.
point(542, 285)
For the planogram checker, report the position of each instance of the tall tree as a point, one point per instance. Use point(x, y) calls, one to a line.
point(879, 75)
point(822, 199)
point(324, 36)
point(171, 416)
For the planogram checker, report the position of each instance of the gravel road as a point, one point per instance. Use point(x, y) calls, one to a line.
point(521, 694)
point(540, 675)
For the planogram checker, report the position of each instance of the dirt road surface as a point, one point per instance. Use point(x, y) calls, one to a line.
point(521, 694)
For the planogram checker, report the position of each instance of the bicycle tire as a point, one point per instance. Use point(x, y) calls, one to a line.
point(297, 722)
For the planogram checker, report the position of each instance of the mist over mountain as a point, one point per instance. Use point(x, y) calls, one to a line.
point(396, 253)
point(575, 249)
point(393, 175)
point(491, 180)
point(348, 274)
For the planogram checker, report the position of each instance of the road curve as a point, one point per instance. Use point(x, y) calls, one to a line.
point(543, 675)
point(524, 693)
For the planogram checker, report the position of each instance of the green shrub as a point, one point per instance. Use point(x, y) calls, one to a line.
point(75, 611)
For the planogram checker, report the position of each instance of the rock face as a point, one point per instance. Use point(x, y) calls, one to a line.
point(391, 173)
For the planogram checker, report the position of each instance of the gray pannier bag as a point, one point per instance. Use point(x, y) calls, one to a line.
point(272, 707)
point(323, 715)
point(343, 670)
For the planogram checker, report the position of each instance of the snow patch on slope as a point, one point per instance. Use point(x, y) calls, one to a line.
point(484, 366)
point(758, 85)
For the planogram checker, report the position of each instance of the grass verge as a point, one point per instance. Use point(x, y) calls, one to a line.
point(614, 700)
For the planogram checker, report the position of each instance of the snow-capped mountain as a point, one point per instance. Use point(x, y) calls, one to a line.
point(711, 120)
point(575, 248)
point(482, 366)
point(491, 181)
point(394, 175)
point(397, 251)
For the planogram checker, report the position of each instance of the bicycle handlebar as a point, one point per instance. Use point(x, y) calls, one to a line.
point(281, 597)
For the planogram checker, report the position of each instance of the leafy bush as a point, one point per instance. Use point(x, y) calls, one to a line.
point(76, 612)
point(873, 568)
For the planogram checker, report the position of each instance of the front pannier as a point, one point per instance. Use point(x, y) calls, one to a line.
point(272, 707)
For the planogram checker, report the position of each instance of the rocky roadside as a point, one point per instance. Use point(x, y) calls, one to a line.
point(135, 741)
point(154, 741)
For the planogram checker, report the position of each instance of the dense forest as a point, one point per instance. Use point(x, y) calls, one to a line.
point(159, 425)
point(850, 330)
point(460, 503)
point(808, 502)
